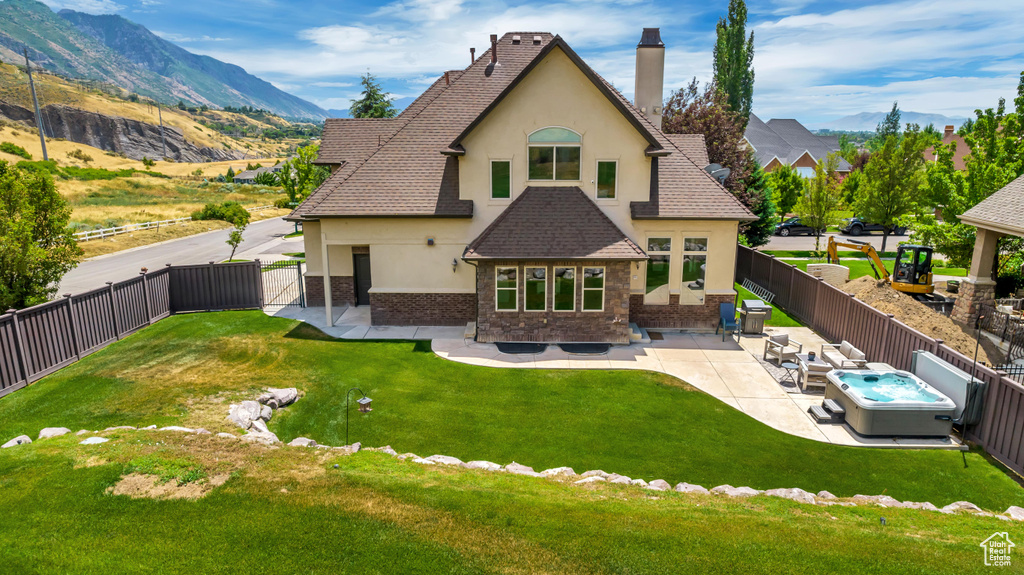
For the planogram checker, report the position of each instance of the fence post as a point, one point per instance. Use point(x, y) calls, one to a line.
point(886, 330)
point(302, 289)
point(19, 344)
point(113, 311)
point(935, 348)
point(74, 326)
point(208, 284)
point(145, 295)
point(771, 272)
point(817, 304)
point(259, 287)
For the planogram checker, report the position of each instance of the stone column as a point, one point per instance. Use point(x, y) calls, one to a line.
point(979, 288)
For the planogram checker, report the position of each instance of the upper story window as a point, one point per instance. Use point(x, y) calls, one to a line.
point(554, 154)
point(501, 179)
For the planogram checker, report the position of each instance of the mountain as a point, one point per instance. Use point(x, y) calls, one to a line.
point(868, 121)
point(118, 51)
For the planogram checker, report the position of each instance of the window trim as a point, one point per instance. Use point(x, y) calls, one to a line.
point(514, 289)
point(583, 283)
point(706, 236)
point(554, 295)
point(554, 154)
point(490, 177)
point(597, 181)
point(526, 294)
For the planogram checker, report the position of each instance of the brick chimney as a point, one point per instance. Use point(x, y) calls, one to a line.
point(650, 75)
point(948, 131)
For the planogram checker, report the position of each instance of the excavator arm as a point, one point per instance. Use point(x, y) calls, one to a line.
point(862, 247)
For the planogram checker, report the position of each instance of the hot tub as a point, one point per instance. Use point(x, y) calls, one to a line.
point(890, 403)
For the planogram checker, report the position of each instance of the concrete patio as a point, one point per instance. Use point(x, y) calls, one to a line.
point(727, 370)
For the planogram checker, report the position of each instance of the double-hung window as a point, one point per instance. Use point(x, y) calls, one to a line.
point(607, 178)
point(536, 285)
point(501, 179)
point(593, 289)
point(554, 154)
point(565, 289)
point(660, 252)
point(506, 289)
point(695, 259)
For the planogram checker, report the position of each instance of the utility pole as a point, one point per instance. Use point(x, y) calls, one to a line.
point(35, 102)
point(163, 145)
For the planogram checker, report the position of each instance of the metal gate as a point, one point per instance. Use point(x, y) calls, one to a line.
point(282, 283)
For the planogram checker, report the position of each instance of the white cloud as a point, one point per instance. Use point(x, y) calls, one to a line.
point(87, 6)
point(332, 84)
point(182, 39)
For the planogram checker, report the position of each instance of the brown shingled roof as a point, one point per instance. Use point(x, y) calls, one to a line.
point(693, 146)
point(553, 223)
point(1003, 211)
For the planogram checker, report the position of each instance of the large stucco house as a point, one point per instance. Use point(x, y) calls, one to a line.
point(526, 195)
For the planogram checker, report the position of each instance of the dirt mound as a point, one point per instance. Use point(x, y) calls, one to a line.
point(137, 485)
point(918, 316)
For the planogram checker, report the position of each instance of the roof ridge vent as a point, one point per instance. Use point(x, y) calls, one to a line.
point(536, 40)
point(516, 39)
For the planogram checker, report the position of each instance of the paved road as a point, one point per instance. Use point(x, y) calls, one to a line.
point(807, 242)
point(197, 249)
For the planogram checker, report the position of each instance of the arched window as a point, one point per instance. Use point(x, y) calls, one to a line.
point(554, 154)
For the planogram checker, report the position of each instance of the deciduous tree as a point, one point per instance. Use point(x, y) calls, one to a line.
point(733, 60)
point(892, 181)
point(787, 186)
point(819, 205)
point(299, 176)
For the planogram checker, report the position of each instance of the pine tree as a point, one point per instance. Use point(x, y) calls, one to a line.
point(375, 103)
point(734, 57)
point(760, 232)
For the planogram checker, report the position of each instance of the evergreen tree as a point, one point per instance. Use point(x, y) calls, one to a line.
point(230, 176)
point(760, 232)
point(375, 103)
point(889, 126)
point(733, 60)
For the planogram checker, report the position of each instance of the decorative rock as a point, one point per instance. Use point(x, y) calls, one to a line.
point(590, 479)
point(880, 500)
point(386, 449)
point(961, 506)
point(20, 440)
point(202, 431)
point(639, 483)
point(266, 413)
point(84, 431)
point(148, 427)
point(245, 413)
point(302, 442)
point(259, 426)
point(735, 491)
point(519, 469)
point(826, 495)
point(558, 471)
point(622, 480)
point(264, 437)
point(659, 485)
point(226, 435)
point(422, 461)
point(1015, 513)
point(920, 505)
point(828, 503)
point(595, 472)
point(445, 459)
point(48, 432)
point(118, 427)
point(93, 441)
point(178, 428)
point(486, 465)
point(794, 493)
point(405, 456)
point(355, 447)
point(690, 488)
point(282, 397)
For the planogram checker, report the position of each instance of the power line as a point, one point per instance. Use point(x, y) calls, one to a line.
point(35, 102)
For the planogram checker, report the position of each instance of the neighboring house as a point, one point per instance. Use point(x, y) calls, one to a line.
point(527, 195)
point(949, 135)
point(249, 176)
point(788, 142)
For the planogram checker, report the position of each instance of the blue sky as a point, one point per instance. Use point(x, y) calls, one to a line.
point(815, 61)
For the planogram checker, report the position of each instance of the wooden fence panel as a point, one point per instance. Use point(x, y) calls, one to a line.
point(92, 315)
point(216, 287)
point(903, 341)
point(803, 296)
point(130, 301)
point(11, 375)
point(760, 267)
point(159, 294)
point(46, 334)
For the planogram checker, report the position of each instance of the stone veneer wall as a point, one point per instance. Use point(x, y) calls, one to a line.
point(422, 308)
point(969, 300)
point(609, 326)
point(677, 316)
point(343, 291)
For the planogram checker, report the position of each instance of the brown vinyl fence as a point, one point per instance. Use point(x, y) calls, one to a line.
point(839, 316)
point(39, 340)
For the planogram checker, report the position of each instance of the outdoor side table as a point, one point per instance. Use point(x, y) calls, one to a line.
point(790, 368)
point(812, 372)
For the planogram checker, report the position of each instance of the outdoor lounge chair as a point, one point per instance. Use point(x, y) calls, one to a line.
point(781, 348)
point(727, 319)
point(843, 357)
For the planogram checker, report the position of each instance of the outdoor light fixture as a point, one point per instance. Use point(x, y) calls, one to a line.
point(455, 264)
point(364, 407)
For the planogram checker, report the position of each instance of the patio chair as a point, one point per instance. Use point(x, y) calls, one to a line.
point(781, 348)
point(727, 319)
point(843, 357)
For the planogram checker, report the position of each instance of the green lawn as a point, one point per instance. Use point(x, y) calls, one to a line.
point(779, 318)
point(821, 254)
point(635, 423)
point(862, 267)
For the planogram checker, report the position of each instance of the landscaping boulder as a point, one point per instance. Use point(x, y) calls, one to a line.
point(690, 488)
point(94, 440)
point(793, 493)
point(659, 485)
point(266, 413)
point(595, 472)
point(263, 437)
point(118, 427)
point(638, 482)
point(178, 428)
point(519, 469)
point(557, 471)
point(244, 414)
point(487, 465)
point(591, 479)
point(445, 460)
point(826, 495)
point(84, 431)
point(20, 440)
point(355, 447)
point(422, 461)
point(405, 456)
point(202, 431)
point(961, 506)
point(386, 449)
point(735, 491)
point(259, 426)
point(880, 500)
point(280, 397)
point(302, 442)
point(48, 432)
point(1015, 513)
point(147, 428)
point(920, 505)
point(227, 435)
point(621, 480)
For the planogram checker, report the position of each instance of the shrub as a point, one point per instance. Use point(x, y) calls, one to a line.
point(78, 154)
point(15, 149)
point(147, 162)
point(283, 203)
point(231, 212)
point(266, 179)
point(49, 167)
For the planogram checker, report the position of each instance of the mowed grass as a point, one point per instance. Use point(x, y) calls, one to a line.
point(290, 510)
point(779, 318)
point(186, 369)
point(860, 268)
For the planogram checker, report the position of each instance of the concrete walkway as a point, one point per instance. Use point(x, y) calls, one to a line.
point(354, 323)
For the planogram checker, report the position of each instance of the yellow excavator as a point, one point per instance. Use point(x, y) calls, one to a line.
point(912, 271)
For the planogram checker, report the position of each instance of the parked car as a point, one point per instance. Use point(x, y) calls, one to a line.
point(857, 226)
point(793, 226)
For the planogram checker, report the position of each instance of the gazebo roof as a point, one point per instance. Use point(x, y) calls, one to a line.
point(1002, 212)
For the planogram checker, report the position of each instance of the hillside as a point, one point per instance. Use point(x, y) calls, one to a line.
point(117, 51)
point(868, 121)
